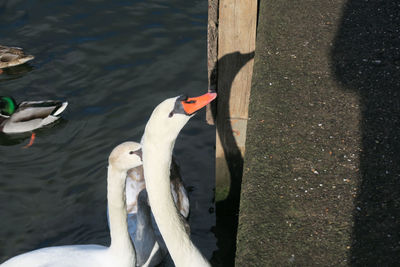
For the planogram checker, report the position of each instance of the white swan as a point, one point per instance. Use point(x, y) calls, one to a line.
point(161, 131)
point(121, 252)
point(149, 245)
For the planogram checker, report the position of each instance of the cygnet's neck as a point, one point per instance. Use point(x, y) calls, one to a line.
point(157, 155)
point(121, 244)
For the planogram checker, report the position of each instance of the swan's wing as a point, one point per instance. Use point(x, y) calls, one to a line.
point(134, 185)
point(145, 255)
point(139, 220)
point(149, 244)
point(140, 226)
point(144, 238)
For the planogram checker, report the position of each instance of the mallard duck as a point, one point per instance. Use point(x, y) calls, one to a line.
point(29, 115)
point(12, 56)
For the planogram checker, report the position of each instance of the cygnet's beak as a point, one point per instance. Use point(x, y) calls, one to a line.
point(193, 104)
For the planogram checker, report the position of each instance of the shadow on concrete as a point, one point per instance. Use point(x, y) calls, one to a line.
point(228, 209)
point(366, 59)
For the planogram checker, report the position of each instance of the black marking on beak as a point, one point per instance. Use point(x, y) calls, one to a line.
point(178, 108)
point(138, 153)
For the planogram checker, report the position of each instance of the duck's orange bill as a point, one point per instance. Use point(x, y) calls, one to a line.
point(193, 104)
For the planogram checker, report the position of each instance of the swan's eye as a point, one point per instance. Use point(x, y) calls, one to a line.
point(170, 114)
point(137, 152)
point(182, 98)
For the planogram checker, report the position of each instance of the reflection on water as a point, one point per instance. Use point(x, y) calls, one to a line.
point(113, 61)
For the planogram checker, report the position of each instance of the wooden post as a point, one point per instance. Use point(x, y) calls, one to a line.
point(212, 45)
point(236, 45)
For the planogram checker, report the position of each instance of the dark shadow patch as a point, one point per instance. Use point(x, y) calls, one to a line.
point(366, 59)
point(227, 210)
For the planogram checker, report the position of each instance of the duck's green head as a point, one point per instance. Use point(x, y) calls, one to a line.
point(7, 105)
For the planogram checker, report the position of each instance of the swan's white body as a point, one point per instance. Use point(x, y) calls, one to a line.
point(121, 252)
point(63, 256)
point(158, 142)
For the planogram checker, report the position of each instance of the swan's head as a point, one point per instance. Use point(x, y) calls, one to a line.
point(126, 156)
point(169, 117)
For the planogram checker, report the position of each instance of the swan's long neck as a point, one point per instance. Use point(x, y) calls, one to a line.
point(156, 162)
point(121, 244)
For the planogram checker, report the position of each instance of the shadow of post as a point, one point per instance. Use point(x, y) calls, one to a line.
point(228, 209)
point(366, 59)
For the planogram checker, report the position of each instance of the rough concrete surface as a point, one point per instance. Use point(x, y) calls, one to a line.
point(321, 172)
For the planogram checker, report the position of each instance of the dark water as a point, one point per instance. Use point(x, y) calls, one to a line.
point(113, 61)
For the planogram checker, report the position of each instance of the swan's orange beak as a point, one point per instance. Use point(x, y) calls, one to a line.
point(193, 104)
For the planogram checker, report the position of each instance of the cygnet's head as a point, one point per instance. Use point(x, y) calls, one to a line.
point(126, 156)
point(171, 115)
